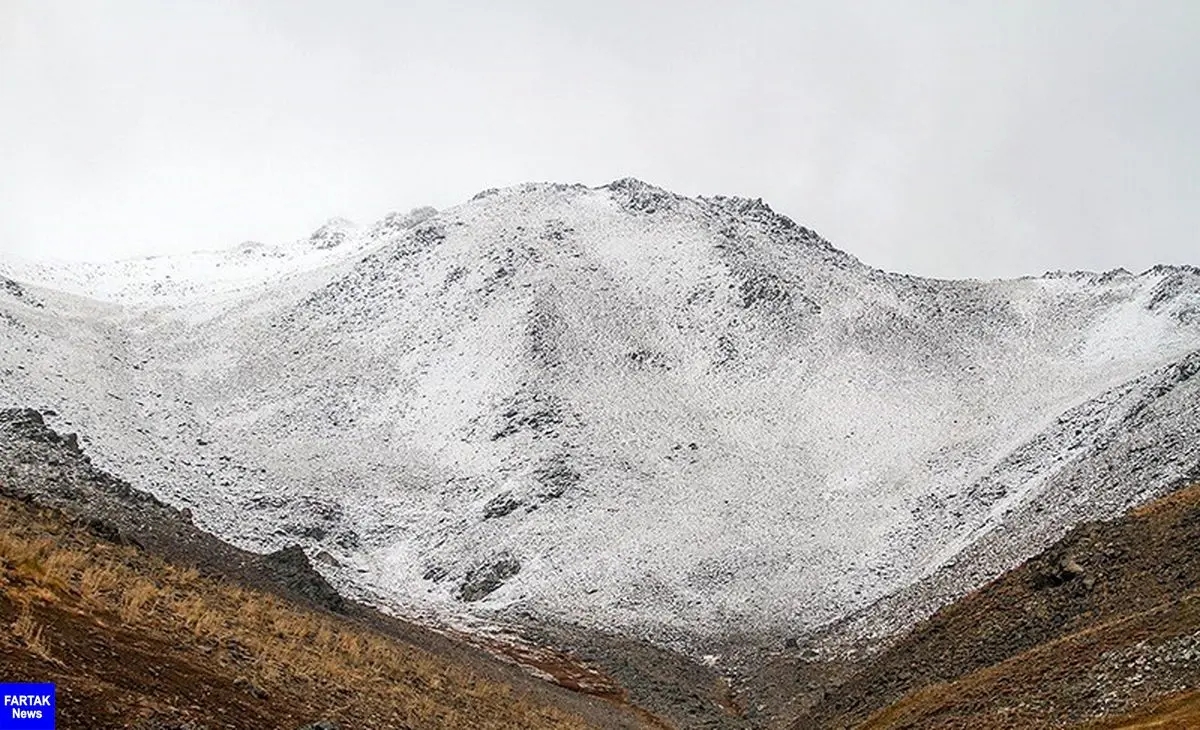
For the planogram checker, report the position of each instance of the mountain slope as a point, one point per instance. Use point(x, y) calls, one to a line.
point(691, 421)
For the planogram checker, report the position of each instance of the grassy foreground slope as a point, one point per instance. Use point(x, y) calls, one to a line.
point(1181, 712)
point(133, 641)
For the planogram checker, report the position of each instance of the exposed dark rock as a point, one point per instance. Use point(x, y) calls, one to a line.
point(556, 476)
point(396, 223)
point(727, 350)
point(330, 235)
point(648, 359)
point(500, 505)
point(734, 214)
point(544, 332)
point(429, 235)
point(12, 288)
point(539, 415)
point(556, 231)
point(291, 567)
point(458, 273)
point(486, 579)
point(636, 196)
point(1166, 290)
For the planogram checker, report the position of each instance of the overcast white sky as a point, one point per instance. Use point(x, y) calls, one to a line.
point(948, 138)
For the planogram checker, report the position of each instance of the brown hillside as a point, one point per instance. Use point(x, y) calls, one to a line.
point(135, 642)
point(1104, 623)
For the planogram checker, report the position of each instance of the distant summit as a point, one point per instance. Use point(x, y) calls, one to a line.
point(394, 223)
point(332, 234)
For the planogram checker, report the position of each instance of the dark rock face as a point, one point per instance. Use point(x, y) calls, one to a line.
point(636, 196)
point(486, 579)
point(309, 518)
point(396, 223)
point(11, 287)
point(292, 567)
point(732, 212)
point(29, 424)
point(15, 290)
point(330, 235)
point(1066, 569)
point(500, 505)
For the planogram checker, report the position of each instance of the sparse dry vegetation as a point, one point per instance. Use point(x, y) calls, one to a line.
point(27, 631)
point(1115, 652)
point(1181, 712)
point(270, 645)
point(973, 700)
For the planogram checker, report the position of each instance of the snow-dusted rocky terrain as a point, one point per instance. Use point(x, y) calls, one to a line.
point(681, 419)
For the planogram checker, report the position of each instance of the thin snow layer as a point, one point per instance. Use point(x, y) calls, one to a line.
point(678, 418)
point(211, 276)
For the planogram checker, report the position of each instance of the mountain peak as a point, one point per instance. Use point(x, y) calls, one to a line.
point(333, 233)
point(396, 222)
point(758, 430)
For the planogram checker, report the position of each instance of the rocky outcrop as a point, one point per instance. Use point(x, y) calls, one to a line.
point(49, 469)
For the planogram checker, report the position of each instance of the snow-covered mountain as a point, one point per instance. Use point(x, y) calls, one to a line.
point(681, 419)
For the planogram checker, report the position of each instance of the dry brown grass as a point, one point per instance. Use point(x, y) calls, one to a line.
point(1182, 498)
point(977, 699)
point(272, 641)
point(1181, 712)
point(96, 581)
point(30, 634)
point(135, 598)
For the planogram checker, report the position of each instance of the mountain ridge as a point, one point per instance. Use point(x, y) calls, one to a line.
point(638, 195)
point(764, 433)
